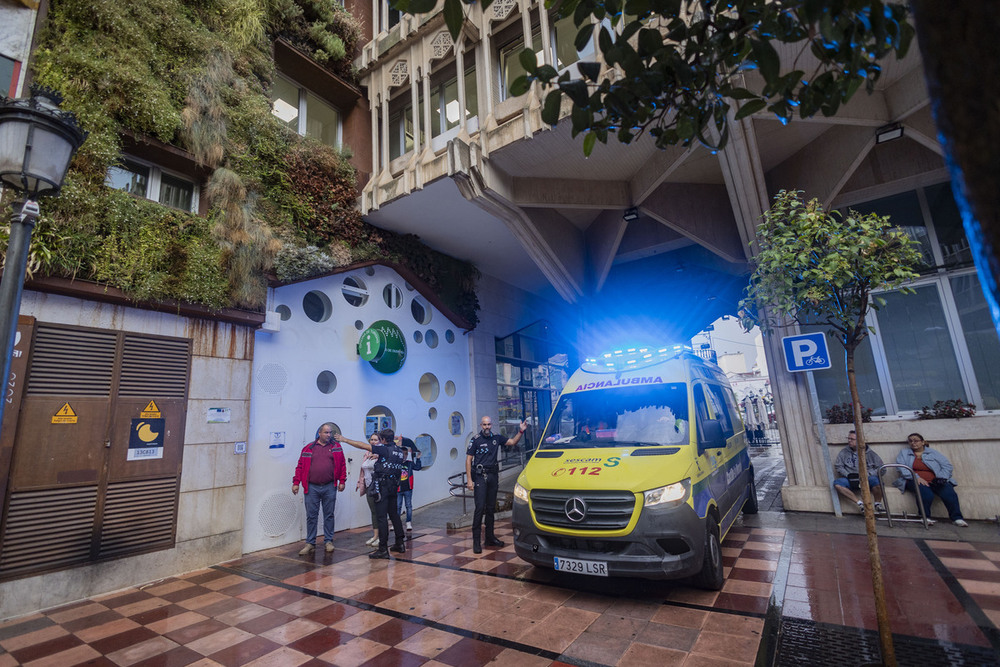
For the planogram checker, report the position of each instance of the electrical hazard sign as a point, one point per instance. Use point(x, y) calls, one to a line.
point(65, 415)
point(150, 411)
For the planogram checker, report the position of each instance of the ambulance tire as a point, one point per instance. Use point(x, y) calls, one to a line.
point(711, 576)
point(750, 506)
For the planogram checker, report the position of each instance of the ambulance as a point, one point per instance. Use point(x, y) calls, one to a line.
point(641, 471)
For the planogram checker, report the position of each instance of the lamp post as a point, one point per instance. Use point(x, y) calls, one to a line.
point(37, 142)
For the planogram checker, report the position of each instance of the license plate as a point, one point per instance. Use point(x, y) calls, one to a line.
point(591, 567)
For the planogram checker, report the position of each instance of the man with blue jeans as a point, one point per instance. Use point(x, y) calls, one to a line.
point(846, 467)
point(322, 471)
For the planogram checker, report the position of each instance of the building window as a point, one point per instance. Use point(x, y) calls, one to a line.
point(563, 36)
point(510, 63)
point(939, 342)
point(390, 17)
point(304, 112)
point(401, 131)
point(150, 182)
point(445, 114)
point(10, 71)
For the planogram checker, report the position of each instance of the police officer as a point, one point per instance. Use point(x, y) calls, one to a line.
point(482, 472)
point(385, 478)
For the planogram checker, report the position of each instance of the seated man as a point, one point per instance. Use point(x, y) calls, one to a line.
point(846, 468)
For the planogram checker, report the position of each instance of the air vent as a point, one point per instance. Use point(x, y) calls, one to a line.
point(47, 529)
point(154, 367)
point(71, 362)
point(138, 516)
point(272, 378)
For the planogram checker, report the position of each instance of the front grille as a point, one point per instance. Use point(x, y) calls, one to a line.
point(606, 510)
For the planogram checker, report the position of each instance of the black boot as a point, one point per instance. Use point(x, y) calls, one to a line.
point(380, 554)
point(477, 548)
point(493, 541)
point(398, 547)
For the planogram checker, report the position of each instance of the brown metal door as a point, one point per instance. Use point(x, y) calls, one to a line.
point(71, 483)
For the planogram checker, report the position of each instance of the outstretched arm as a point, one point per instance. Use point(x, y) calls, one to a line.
point(517, 437)
point(360, 444)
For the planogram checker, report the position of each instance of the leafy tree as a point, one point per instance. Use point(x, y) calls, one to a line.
point(814, 267)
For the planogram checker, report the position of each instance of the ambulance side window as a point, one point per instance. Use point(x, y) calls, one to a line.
point(717, 401)
point(715, 424)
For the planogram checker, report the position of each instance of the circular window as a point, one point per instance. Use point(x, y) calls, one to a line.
point(284, 311)
point(428, 450)
point(370, 270)
point(431, 338)
point(456, 424)
point(429, 387)
point(355, 291)
point(449, 336)
point(420, 311)
point(432, 413)
point(449, 388)
point(418, 337)
point(392, 296)
point(326, 382)
point(453, 453)
point(317, 306)
point(378, 418)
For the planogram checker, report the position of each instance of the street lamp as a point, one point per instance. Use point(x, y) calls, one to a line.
point(37, 142)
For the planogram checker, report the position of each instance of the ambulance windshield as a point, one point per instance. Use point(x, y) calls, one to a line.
point(620, 416)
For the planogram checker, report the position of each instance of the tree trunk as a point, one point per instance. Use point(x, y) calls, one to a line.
point(959, 63)
point(878, 584)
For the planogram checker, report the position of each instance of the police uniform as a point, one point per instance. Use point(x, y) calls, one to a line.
point(385, 477)
point(484, 450)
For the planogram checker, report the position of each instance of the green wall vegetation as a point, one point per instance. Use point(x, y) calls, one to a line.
point(196, 74)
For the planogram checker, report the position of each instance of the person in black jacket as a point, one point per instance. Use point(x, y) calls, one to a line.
point(482, 470)
point(391, 458)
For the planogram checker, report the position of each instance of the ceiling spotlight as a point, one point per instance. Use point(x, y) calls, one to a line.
point(631, 214)
point(888, 133)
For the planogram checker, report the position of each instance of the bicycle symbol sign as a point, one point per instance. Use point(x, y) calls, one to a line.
point(806, 352)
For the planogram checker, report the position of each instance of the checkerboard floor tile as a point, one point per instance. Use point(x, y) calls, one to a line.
point(441, 604)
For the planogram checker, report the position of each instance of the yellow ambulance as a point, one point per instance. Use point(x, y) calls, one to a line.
point(641, 471)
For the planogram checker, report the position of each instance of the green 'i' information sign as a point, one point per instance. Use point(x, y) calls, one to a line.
point(383, 346)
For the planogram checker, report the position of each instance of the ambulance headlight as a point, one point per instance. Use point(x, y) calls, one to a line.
point(520, 493)
point(665, 496)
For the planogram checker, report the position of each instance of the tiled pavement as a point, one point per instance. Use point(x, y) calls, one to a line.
point(440, 604)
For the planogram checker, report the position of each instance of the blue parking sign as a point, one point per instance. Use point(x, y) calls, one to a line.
point(806, 352)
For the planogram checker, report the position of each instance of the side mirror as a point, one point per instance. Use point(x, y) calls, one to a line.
point(711, 435)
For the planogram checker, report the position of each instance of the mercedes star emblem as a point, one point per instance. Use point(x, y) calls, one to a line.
point(576, 509)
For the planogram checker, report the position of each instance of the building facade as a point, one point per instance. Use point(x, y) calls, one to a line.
point(576, 255)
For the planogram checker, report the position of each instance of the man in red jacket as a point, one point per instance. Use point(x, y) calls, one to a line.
point(322, 471)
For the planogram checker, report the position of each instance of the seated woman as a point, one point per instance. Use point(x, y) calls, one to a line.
point(933, 477)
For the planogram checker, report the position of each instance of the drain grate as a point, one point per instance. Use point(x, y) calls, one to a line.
point(802, 642)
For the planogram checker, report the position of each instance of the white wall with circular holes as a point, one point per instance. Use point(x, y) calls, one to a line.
point(309, 372)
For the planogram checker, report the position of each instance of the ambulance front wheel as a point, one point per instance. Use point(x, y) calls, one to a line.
point(711, 575)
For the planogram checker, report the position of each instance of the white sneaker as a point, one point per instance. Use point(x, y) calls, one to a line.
point(879, 507)
point(861, 507)
point(960, 523)
point(372, 541)
point(409, 526)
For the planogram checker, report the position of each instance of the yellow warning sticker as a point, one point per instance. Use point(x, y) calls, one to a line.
point(150, 411)
point(65, 415)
